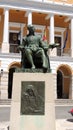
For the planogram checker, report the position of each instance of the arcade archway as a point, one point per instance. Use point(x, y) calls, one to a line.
point(64, 79)
point(59, 84)
point(12, 69)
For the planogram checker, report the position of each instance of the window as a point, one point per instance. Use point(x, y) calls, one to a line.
point(58, 40)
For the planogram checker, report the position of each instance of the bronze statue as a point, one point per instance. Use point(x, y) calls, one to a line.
point(34, 49)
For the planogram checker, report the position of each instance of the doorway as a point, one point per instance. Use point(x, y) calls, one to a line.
point(58, 40)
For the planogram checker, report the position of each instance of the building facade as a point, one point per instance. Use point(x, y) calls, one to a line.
point(55, 18)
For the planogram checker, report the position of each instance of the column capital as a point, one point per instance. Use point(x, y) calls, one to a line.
point(51, 14)
point(6, 9)
point(27, 13)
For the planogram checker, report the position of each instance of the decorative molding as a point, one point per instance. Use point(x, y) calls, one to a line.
point(39, 6)
point(39, 27)
point(12, 24)
point(58, 29)
point(13, 31)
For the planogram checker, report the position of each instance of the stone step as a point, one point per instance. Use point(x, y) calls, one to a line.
point(64, 101)
point(5, 101)
point(57, 101)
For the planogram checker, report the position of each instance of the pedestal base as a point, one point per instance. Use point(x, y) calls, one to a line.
point(33, 106)
point(5, 47)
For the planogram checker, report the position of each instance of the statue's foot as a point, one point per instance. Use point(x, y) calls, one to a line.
point(33, 67)
point(45, 69)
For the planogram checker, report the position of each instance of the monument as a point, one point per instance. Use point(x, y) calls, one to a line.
point(33, 105)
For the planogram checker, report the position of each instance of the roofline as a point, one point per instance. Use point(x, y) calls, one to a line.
point(43, 7)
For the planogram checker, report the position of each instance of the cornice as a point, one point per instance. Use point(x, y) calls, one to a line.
point(43, 7)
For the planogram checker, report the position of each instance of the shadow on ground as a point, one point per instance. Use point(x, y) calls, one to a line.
point(70, 120)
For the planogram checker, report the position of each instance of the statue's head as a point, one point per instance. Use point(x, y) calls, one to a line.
point(30, 28)
point(30, 90)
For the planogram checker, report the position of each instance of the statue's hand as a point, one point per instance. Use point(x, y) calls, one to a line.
point(53, 45)
point(45, 48)
point(21, 47)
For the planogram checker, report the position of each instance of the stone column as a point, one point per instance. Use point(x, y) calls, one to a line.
point(72, 37)
point(51, 35)
point(5, 44)
point(29, 18)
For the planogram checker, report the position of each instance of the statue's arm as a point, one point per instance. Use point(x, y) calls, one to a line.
point(44, 44)
point(22, 46)
point(54, 45)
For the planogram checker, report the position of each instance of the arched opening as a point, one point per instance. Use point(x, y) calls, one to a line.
point(64, 79)
point(12, 69)
point(59, 84)
point(10, 81)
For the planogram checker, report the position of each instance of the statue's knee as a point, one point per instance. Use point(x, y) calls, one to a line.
point(41, 51)
point(28, 51)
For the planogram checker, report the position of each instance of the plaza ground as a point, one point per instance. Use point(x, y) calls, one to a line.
point(61, 124)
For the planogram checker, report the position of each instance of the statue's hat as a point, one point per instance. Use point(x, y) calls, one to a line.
point(30, 27)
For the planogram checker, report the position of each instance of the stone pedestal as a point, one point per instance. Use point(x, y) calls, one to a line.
point(33, 106)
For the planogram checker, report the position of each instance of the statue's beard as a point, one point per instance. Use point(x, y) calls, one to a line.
point(31, 32)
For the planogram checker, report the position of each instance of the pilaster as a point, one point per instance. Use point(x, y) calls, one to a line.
point(71, 89)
